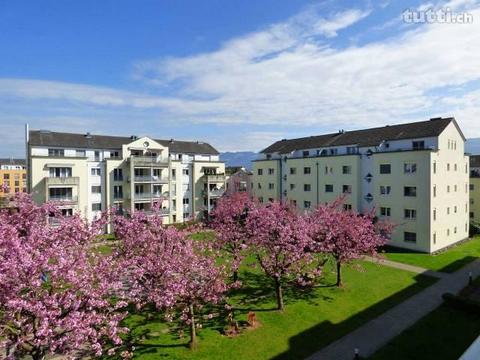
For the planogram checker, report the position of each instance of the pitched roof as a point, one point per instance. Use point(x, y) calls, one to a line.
point(366, 137)
point(474, 161)
point(12, 161)
point(91, 141)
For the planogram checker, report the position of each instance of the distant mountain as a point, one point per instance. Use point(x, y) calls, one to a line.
point(240, 158)
point(473, 146)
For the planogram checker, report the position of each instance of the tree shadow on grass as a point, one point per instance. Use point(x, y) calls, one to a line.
point(317, 337)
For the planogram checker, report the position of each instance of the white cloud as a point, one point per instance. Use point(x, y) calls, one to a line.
point(340, 21)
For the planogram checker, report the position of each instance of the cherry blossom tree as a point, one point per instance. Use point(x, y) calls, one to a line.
point(346, 235)
point(281, 242)
point(228, 219)
point(55, 292)
point(166, 268)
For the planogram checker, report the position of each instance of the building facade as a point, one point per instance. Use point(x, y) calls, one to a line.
point(13, 176)
point(416, 175)
point(475, 188)
point(89, 173)
point(239, 179)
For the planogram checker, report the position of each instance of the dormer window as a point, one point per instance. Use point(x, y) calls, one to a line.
point(418, 145)
point(306, 153)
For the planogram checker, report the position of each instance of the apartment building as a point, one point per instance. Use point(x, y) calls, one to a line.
point(475, 188)
point(89, 173)
point(13, 176)
point(415, 174)
point(238, 179)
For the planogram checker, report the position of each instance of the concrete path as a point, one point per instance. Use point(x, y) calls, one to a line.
point(378, 332)
point(407, 267)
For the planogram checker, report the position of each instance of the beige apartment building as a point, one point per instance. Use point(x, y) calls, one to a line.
point(89, 173)
point(415, 174)
point(475, 188)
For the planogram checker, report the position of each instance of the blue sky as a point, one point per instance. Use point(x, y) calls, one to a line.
point(239, 74)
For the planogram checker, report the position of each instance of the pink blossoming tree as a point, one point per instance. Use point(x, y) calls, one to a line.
point(55, 292)
point(346, 235)
point(280, 240)
point(229, 222)
point(166, 268)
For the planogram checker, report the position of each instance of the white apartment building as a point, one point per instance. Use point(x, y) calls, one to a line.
point(89, 173)
point(415, 174)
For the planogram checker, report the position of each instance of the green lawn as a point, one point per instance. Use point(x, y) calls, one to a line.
point(447, 261)
point(311, 319)
point(444, 334)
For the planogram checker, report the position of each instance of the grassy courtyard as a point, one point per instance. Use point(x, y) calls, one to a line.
point(444, 334)
point(448, 261)
point(311, 319)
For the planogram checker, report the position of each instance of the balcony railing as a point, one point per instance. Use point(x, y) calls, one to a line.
point(63, 199)
point(150, 195)
point(214, 192)
point(162, 212)
point(215, 177)
point(149, 178)
point(150, 161)
point(52, 181)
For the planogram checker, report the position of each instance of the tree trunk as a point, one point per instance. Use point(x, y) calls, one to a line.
point(339, 274)
point(235, 276)
point(278, 293)
point(38, 354)
point(235, 272)
point(193, 332)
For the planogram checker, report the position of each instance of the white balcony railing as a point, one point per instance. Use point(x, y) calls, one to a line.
point(63, 199)
point(152, 179)
point(150, 160)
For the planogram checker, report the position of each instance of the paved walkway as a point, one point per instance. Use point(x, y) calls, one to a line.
point(378, 332)
point(407, 267)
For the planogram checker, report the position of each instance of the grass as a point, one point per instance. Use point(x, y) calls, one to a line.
point(444, 334)
point(448, 261)
point(311, 320)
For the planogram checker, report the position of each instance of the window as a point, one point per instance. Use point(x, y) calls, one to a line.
point(347, 207)
point(328, 188)
point(60, 194)
point(118, 192)
point(448, 167)
point(186, 201)
point(409, 168)
point(292, 186)
point(95, 171)
point(333, 151)
point(6, 176)
point(271, 186)
point(307, 204)
point(448, 232)
point(271, 171)
point(409, 191)
point(434, 167)
point(410, 214)
point(346, 169)
point(455, 187)
point(448, 210)
point(293, 171)
point(448, 188)
point(306, 153)
point(115, 154)
point(410, 237)
point(80, 153)
point(96, 207)
point(385, 190)
point(434, 190)
point(259, 171)
point(352, 149)
point(117, 175)
point(472, 214)
point(384, 211)
point(307, 170)
point(260, 199)
point(455, 209)
point(56, 152)
point(307, 187)
point(434, 214)
point(418, 145)
point(385, 168)
point(455, 167)
point(472, 187)
point(60, 172)
point(455, 230)
point(67, 212)
point(293, 203)
point(185, 171)
point(96, 189)
point(347, 189)
point(259, 185)
point(97, 155)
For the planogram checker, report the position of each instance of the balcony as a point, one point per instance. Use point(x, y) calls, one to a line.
point(150, 161)
point(57, 181)
point(64, 199)
point(213, 193)
point(150, 195)
point(215, 177)
point(151, 179)
point(161, 212)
